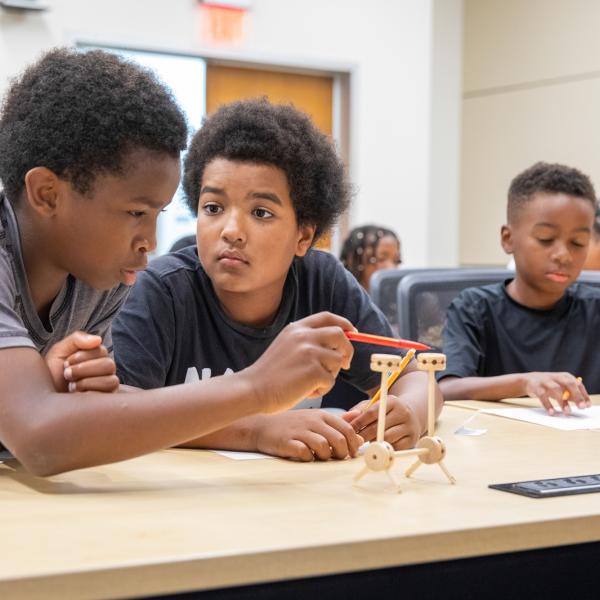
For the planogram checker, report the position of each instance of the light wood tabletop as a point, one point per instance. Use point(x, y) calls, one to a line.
point(179, 520)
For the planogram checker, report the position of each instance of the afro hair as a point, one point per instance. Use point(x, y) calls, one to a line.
point(260, 132)
point(79, 114)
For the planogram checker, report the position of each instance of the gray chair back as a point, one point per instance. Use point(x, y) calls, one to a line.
point(383, 290)
point(422, 298)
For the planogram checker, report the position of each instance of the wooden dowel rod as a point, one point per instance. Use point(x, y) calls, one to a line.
point(412, 452)
point(431, 405)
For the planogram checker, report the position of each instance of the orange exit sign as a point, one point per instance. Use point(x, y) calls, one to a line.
point(224, 23)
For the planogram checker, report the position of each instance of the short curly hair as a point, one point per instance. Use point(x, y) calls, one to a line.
point(548, 178)
point(260, 132)
point(79, 114)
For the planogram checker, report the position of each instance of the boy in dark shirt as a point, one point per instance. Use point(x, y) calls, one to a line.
point(265, 183)
point(537, 334)
point(89, 155)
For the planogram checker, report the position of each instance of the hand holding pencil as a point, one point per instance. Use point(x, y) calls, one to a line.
point(553, 389)
point(566, 394)
point(403, 427)
point(392, 379)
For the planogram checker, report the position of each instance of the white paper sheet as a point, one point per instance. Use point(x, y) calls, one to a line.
point(587, 418)
point(241, 455)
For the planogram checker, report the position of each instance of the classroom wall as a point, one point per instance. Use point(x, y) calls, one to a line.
point(444, 154)
point(387, 45)
point(531, 92)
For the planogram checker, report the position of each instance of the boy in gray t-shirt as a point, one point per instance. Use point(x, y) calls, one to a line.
point(77, 305)
point(89, 156)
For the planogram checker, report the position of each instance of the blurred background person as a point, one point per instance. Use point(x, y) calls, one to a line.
point(592, 262)
point(370, 248)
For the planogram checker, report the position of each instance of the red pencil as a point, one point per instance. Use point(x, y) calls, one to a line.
point(367, 338)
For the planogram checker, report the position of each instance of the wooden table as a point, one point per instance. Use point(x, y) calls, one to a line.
point(183, 520)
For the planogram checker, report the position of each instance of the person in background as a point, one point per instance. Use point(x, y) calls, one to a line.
point(592, 262)
point(370, 248)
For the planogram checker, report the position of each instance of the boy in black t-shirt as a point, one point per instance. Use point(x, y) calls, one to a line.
point(534, 335)
point(265, 183)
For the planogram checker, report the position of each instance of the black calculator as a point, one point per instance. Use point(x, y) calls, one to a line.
point(545, 488)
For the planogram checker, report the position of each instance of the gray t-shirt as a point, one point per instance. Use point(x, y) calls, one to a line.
point(77, 306)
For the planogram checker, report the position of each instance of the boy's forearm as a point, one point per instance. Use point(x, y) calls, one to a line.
point(53, 432)
point(414, 386)
point(74, 435)
point(483, 388)
point(241, 435)
point(127, 389)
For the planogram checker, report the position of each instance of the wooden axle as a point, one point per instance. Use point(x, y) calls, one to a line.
point(411, 452)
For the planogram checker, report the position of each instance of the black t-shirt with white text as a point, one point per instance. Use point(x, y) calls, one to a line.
point(487, 333)
point(173, 323)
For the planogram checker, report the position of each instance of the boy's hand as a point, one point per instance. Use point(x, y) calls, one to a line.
point(307, 435)
point(81, 363)
point(402, 426)
point(303, 361)
point(550, 387)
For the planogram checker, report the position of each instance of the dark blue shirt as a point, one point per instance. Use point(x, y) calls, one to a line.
point(173, 322)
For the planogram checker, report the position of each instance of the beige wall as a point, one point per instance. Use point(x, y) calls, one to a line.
point(531, 92)
point(446, 107)
point(386, 45)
